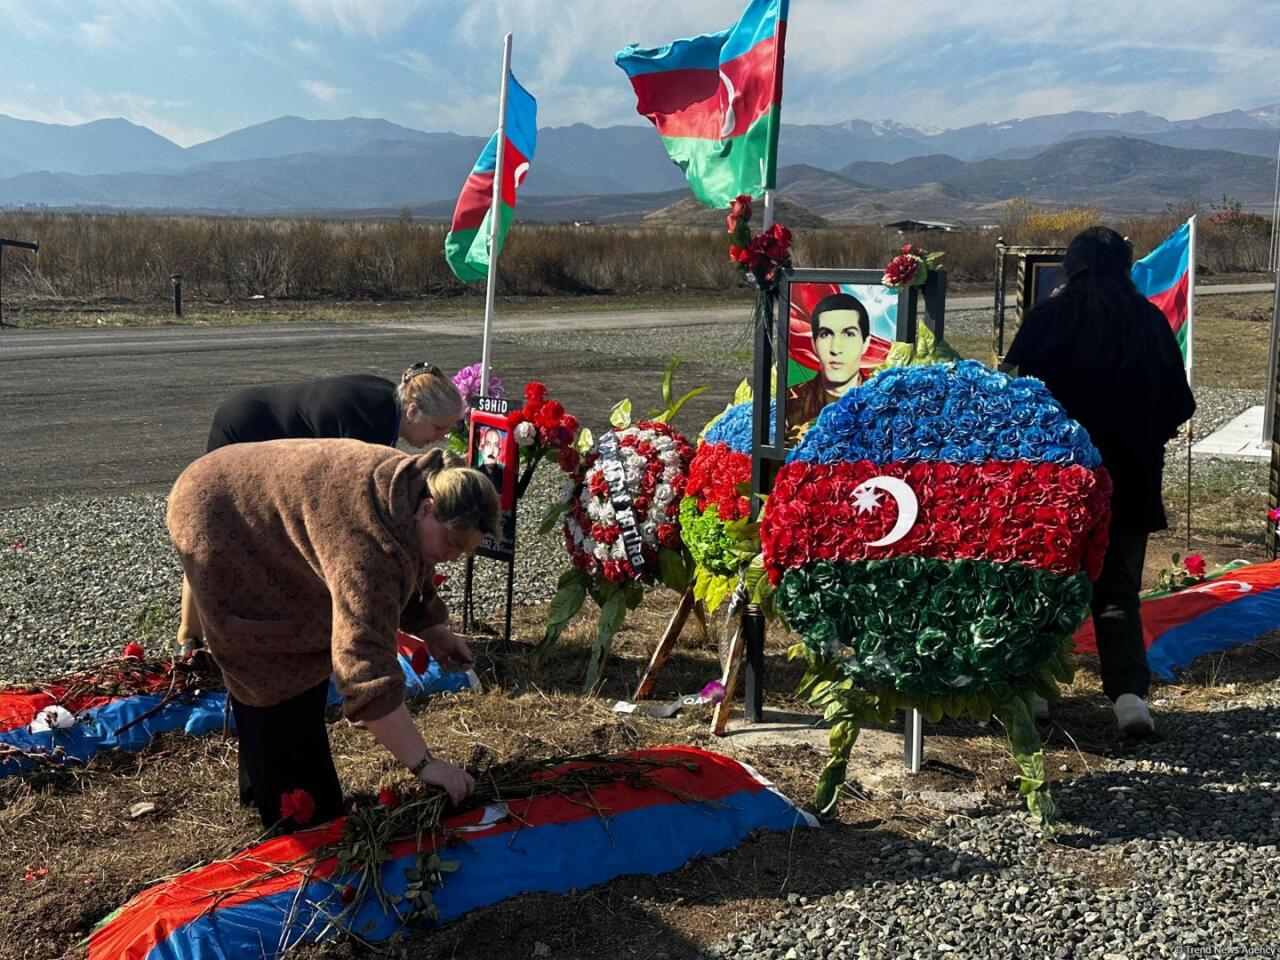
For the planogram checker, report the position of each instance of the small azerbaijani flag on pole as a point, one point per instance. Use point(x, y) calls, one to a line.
point(717, 101)
point(466, 247)
point(1164, 276)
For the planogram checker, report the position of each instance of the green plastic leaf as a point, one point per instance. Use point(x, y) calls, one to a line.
point(572, 575)
point(585, 441)
point(551, 519)
point(620, 415)
point(567, 602)
point(564, 606)
point(612, 615)
point(672, 569)
point(674, 409)
point(667, 376)
point(718, 588)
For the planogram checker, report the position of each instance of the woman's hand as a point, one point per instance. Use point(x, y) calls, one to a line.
point(454, 781)
point(448, 649)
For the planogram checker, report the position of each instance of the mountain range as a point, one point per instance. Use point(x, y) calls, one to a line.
point(847, 172)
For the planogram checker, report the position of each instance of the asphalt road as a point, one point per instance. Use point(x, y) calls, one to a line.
point(110, 412)
point(88, 413)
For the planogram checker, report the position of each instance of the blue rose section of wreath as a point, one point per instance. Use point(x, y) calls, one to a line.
point(733, 429)
point(959, 413)
point(929, 626)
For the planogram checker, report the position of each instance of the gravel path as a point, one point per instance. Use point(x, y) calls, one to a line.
point(1170, 852)
point(80, 579)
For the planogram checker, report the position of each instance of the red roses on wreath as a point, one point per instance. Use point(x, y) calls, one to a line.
point(1044, 516)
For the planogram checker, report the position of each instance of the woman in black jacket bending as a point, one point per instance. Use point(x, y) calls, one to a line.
point(1109, 357)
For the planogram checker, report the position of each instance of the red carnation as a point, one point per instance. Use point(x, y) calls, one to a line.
point(535, 392)
point(298, 806)
point(134, 651)
point(388, 798)
point(1195, 565)
point(901, 271)
point(570, 423)
point(569, 460)
point(738, 254)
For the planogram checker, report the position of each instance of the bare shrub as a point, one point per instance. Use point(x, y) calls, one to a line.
point(131, 256)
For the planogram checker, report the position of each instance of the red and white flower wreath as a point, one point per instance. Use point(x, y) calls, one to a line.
point(655, 462)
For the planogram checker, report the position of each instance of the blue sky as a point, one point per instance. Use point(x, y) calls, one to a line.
point(194, 69)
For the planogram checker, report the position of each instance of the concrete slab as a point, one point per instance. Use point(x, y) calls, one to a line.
point(1240, 439)
point(877, 755)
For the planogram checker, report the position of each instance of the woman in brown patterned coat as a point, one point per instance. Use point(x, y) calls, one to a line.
point(304, 557)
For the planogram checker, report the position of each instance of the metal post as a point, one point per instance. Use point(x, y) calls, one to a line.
point(753, 680)
point(177, 294)
point(21, 245)
point(913, 740)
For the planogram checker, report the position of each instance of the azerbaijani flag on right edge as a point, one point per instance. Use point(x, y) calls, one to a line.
point(1163, 276)
point(717, 101)
point(466, 247)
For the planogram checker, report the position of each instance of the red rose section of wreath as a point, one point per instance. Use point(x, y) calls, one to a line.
point(1047, 516)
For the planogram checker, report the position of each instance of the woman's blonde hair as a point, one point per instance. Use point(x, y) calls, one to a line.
point(465, 498)
point(433, 392)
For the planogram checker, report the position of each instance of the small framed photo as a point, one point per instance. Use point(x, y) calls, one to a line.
point(492, 451)
point(1044, 275)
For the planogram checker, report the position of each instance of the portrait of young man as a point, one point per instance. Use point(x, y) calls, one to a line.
point(840, 328)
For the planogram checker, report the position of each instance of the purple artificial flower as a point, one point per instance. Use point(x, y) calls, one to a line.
point(713, 692)
point(467, 380)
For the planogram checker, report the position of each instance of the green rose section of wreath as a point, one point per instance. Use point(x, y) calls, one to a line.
point(957, 630)
point(716, 546)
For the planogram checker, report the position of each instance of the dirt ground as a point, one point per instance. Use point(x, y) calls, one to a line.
point(75, 826)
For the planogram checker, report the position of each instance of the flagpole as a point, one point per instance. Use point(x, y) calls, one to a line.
point(495, 215)
point(1273, 258)
point(1191, 330)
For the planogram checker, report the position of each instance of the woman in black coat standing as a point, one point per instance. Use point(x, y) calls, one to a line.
point(1109, 357)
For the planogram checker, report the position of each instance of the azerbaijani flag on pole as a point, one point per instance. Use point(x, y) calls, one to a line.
point(1164, 277)
point(717, 101)
point(466, 247)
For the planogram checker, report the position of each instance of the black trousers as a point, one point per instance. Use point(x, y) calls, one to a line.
point(286, 747)
point(1117, 619)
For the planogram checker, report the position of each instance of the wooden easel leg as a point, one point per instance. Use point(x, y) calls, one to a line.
point(720, 718)
point(663, 650)
point(700, 614)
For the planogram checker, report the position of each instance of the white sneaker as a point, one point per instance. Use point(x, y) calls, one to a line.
point(1040, 708)
point(1132, 716)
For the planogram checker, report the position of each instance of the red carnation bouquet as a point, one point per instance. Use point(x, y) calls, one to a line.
point(758, 257)
point(910, 268)
point(542, 428)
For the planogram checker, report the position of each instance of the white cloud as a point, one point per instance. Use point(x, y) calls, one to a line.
point(97, 33)
point(324, 92)
point(305, 47)
point(371, 18)
point(19, 18)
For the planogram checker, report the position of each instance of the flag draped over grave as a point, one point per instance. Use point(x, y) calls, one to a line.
point(466, 248)
point(716, 101)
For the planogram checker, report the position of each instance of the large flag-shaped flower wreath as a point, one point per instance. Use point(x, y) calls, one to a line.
point(932, 540)
point(621, 523)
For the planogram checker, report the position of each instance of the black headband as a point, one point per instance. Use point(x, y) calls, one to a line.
point(421, 367)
